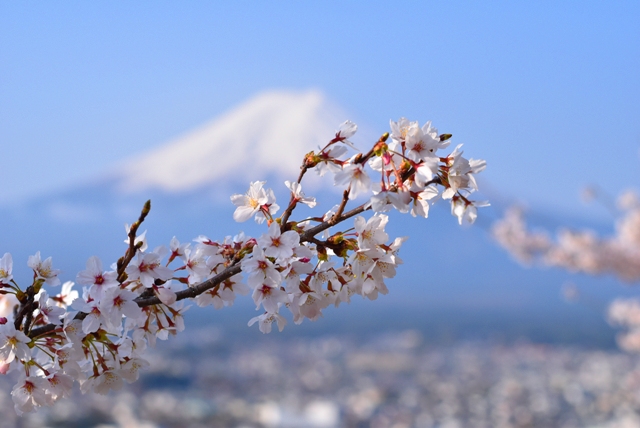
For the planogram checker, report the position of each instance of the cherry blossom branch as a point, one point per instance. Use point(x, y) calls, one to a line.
point(196, 290)
point(121, 312)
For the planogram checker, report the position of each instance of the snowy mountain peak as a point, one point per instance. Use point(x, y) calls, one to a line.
point(269, 134)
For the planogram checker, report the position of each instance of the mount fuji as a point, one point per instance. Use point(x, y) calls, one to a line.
point(267, 135)
point(450, 272)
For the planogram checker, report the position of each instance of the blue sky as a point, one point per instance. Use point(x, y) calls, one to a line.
point(547, 92)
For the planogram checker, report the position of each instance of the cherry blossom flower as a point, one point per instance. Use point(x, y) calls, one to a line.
point(95, 277)
point(7, 303)
point(265, 320)
point(279, 245)
point(133, 346)
point(304, 253)
point(43, 269)
point(330, 213)
point(166, 295)
point(628, 200)
point(386, 200)
point(150, 331)
point(371, 232)
point(252, 202)
point(466, 210)
point(292, 276)
point(6, 266)
point(178, 250)
point(13, 344)
point(67, 295)
point(147, 268)
point(225, 295)
point(93, 320)
point(29, 393)
point(197, 266)
point(116, 303)
point(49, 310)
point(588, 252)
point(59, 385)
point(371, 287)
point(421, 200)
point(329, 160)
point(355, 176)
point(383, 267)
point(461, 173)
point(210, 297)
point(108, 380)
point(66, 359)
point(308, 305)
point(269, 295)
point(298, 195)
point(324, 274)
point(260, 268)
point(347, 130)
point(394, 248)
point(387, 161)
point(362, 260)
point(130, 370)
point(422, 143)
point(512, 234)
point(400, 129)
point(73, 329)
point(426, 171)
point(208, 247)
point(270, 208)
point(178, 316)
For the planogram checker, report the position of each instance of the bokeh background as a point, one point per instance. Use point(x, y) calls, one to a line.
point(100, 102)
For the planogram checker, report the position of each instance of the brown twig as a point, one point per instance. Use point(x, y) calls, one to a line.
point(292, 202)
point(124, 261)
point(343, 204)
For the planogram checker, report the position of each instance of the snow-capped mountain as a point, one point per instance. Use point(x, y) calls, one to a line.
point(267, 135)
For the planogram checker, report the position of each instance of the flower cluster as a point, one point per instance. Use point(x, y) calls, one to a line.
point(587, 252)
point(98, 337)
